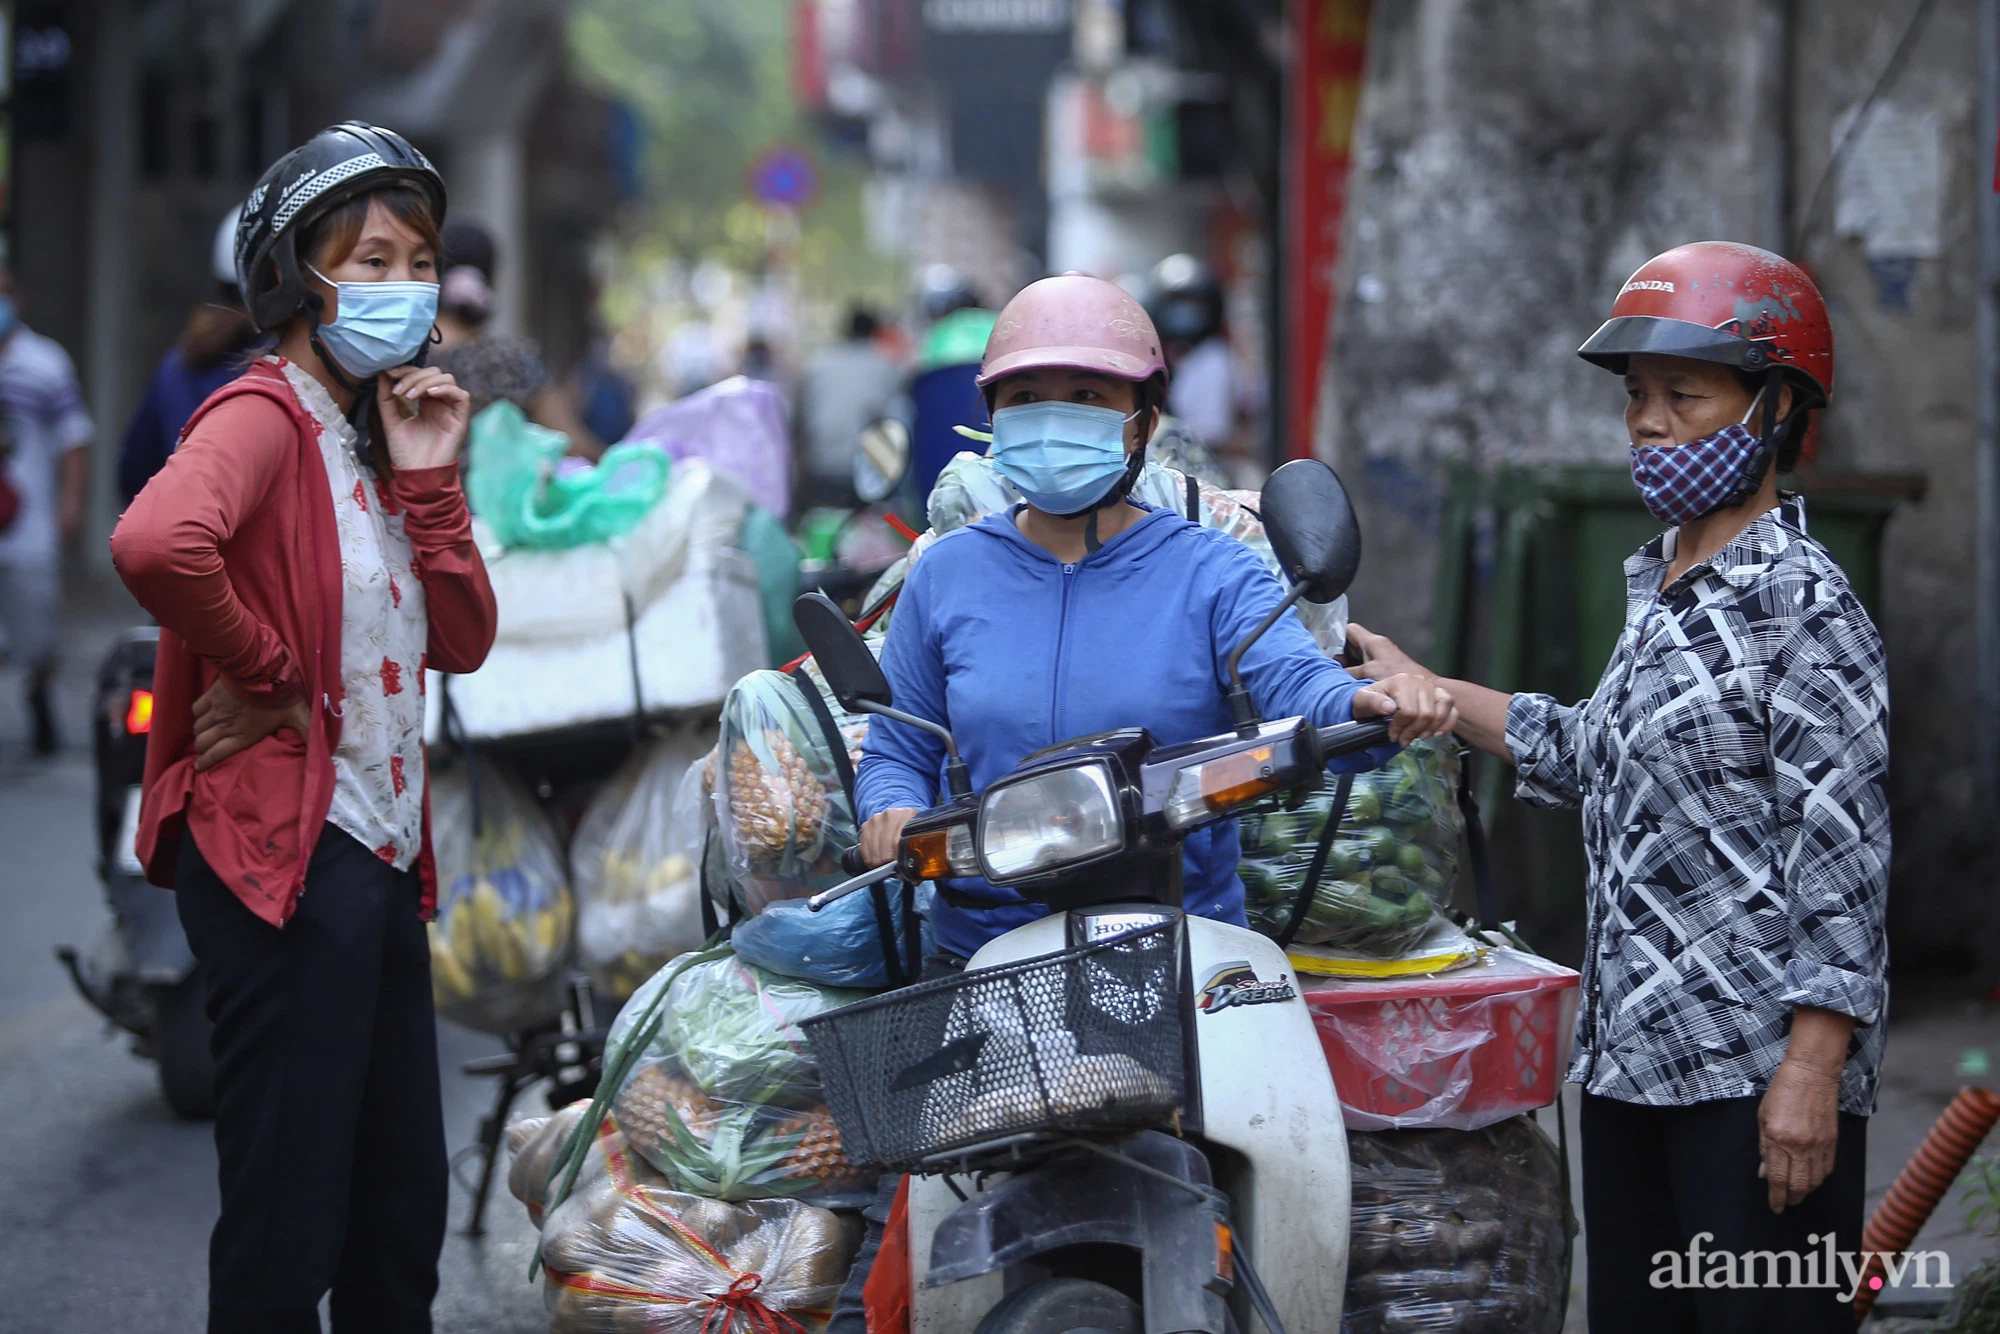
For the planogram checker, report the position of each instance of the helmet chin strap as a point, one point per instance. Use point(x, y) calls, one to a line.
point(1752, 476)
point(1134, 464)
point(363, 389)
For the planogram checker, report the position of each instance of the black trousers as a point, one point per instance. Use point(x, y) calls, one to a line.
point(329, 1128)
point(1655, 1177)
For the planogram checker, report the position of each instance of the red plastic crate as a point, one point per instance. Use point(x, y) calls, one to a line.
point(1457, 1050)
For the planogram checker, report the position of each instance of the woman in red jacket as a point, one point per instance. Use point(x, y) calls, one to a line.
point(308, 553)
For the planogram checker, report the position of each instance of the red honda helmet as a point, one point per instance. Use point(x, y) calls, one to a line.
point(1723, 302)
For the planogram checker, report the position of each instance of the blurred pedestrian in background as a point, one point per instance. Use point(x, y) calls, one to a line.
point(843, 388)
point(489, 365)
point(211, 351)
point(1186, 306)
point(47, 459)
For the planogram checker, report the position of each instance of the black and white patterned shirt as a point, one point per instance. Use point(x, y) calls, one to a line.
point(1731, 772)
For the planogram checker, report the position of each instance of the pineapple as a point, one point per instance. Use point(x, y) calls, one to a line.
point(774, 812)
point(641, 1111)
point(819, 1155)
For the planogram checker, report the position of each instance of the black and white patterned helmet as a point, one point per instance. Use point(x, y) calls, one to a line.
point(329, 169)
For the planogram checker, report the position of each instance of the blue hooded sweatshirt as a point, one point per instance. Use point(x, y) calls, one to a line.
point(1014, 650)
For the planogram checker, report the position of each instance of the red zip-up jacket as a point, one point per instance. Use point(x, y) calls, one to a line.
point(232, 548)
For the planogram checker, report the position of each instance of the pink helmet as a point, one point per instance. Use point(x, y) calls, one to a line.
point(1075, 322)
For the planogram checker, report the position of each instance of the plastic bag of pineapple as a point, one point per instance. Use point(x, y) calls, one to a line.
point(636, 863)
point(709, 1078)
point(500, 942)
point(1392, 863)
point(784, 817)
point(627, 1252)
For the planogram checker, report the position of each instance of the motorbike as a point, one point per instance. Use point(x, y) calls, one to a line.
point(140, 973)
point(1114, 1108)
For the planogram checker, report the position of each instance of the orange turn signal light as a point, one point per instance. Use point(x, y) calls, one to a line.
point(927, 856)
point(1235, 779)
point(1225, 1253)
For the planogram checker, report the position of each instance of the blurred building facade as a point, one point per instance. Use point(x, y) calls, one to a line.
point(163, 113)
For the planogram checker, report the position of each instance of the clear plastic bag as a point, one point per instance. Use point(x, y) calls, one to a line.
point(535, 1147)
point(785, 817)
point(636, 860)
point(627, 1253)
point(517, 485)
point(722, 1094)
point(500, 943)
point(1456, 1232)
point(1391, 866)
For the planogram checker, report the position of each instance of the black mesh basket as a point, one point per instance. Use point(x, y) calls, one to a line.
point(1092, 1038)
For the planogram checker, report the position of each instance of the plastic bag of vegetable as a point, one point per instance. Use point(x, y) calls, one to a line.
point(636, 860)
point(1459, 1230)
point(1391, 865)
point(628, 1253)
point(710, 1079)
point(500, 943)
point(784, 812)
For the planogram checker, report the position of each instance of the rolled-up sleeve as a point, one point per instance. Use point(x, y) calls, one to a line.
point(1542, 736)
point(1829, 730)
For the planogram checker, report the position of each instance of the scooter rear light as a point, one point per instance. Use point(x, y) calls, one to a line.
point(139, 713)
point(1225, 1253)
point(1221, 785)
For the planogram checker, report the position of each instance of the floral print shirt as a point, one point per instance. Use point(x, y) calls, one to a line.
point(378, 767)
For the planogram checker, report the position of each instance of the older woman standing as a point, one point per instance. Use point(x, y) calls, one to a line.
point(1730, 767)
point(308, 553)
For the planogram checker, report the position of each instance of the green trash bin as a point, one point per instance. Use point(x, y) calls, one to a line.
point(1531, 596)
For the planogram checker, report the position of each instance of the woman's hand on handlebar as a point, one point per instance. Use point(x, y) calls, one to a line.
point(882, 833)
point(1482, 713)
point(1416, 706)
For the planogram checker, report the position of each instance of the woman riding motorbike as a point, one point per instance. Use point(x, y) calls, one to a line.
point(1083, 610)
point(1731, 768)
point(308, 553)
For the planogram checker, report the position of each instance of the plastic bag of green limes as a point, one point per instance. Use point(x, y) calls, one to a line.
point(1393, 861)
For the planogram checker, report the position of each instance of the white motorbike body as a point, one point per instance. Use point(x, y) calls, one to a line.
point(1266, 1095)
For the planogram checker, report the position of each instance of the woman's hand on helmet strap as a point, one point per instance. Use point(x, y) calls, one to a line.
point(425, 415)
point(1417, 706)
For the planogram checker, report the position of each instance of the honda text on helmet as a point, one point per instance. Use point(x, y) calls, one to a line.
point(1736, 306)
point(1068, 459)
point(377, 325)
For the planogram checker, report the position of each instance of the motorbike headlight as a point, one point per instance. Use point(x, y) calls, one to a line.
point(1053, 819)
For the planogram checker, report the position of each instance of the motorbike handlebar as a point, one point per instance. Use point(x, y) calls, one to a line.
point(852, 863)
point(840, 891)
point(1349, 738)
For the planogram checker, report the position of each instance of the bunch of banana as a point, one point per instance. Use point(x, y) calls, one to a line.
point(495, 928)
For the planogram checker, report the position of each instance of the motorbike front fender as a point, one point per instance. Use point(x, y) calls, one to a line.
point(1099, 1201)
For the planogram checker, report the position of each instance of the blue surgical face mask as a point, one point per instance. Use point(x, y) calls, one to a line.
point(378, 325)
point(1062, 457)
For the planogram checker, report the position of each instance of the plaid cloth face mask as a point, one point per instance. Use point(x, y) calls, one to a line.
point(1681, 483)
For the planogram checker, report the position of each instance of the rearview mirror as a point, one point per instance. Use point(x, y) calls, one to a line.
point(850, 669)
point(1312, 529)
point(881, 458)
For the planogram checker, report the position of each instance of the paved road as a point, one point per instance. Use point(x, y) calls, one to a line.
point(105, 1199)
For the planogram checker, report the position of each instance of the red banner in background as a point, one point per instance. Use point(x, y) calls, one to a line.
point(1330, 47)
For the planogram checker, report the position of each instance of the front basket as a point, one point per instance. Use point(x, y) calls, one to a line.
point(1088, 1039)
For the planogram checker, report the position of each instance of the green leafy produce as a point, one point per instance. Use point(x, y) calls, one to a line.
point(1392, 863)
